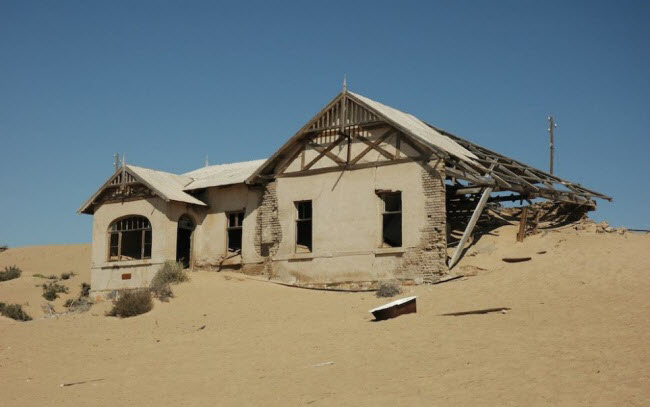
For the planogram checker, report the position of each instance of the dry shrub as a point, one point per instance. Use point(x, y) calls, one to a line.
point(85, 290)
point(388, 289)
point(130, 303)
point(51, 290)
point(10, 273)
point(66, 276)
point(82, 303)
point(14, 311)
point(170, 273)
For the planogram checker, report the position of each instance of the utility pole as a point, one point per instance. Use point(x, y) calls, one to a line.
point(551, 128)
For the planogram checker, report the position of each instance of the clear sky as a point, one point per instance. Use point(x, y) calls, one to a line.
point(168, 82)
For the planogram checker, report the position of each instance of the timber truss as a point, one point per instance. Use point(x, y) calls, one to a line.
point(348, 117)
point(505, 174)
point(343, 122)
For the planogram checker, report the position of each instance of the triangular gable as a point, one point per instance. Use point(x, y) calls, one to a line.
point(349, 112)
point(136, 182)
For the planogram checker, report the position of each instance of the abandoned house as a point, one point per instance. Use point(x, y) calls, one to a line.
point(358, 195)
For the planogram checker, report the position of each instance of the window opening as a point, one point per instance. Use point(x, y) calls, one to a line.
point(391, 219)
point(303, 226)
point(235, 229)
point(129, 239)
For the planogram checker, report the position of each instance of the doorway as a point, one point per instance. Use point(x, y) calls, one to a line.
point(184, 241)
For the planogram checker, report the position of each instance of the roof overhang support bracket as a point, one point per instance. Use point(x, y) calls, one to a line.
point(470, 226)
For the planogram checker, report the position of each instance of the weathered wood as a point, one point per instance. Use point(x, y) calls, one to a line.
point(287, 162)
point(349, 167)
point(374, 146)
point(325, 152)
point(470, 226)
point(376, 143)
point(522, 224)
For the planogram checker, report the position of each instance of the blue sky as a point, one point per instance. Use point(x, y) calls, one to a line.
point(168, 82)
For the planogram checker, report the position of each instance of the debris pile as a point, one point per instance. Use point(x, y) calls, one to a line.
point(603, 227)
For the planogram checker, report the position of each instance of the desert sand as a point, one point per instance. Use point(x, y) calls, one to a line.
point(577, 334)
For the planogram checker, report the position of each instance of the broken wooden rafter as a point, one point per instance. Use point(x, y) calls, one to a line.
point(470, 226)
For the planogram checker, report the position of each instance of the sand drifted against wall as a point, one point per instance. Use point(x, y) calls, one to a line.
point(576, 333)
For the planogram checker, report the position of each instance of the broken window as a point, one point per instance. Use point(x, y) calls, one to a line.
point(391, 219)
point(235, 228)
point(303, 226)
point(129, 239)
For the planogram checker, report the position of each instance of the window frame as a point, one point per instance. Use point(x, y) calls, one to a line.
point(299, 220)
point(382, 197)
point(120, 228)
point(230, 227)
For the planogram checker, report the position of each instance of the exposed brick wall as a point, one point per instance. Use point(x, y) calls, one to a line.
point(427, 262)
point(268, 232)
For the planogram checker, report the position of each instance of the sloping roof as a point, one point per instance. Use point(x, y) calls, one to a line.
point(221, 175)
point(417, 128)
point(169, 186)
point(464, 160)
point(172, 187)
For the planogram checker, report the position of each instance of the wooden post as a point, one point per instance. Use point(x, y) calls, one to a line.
point(522, 224)
point(470, 226)
point(551, 129)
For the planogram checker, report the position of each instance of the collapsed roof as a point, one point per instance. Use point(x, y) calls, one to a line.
point(477, 166)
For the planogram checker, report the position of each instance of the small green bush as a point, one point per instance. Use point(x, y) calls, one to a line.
point(10, 273)
point(170, 273)
point(66, 276)
point(130, 303)
point(388, 289)
point(14, 311)
point(38, 275)
point(51, 290)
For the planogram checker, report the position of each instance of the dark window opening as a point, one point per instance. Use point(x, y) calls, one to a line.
point(129, 239)
point(392, 219)
point(303, 226)
point(235, 229)
point(184, 241)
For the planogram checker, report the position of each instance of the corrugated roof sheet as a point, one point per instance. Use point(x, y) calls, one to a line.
point(220, 175)
point(419, 129)
point(170, 186)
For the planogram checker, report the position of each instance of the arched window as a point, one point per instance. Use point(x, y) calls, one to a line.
point(129, 239)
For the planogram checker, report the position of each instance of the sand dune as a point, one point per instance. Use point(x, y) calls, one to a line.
point(577, 334)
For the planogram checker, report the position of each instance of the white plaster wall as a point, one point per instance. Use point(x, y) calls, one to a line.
point(209, 240)
point(347, 223)
point(106, 275)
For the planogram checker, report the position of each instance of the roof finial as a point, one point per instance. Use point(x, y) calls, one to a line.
point(123, 160)
point(206, 160)
point(116, 161)
point(345, 83)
